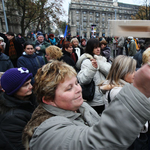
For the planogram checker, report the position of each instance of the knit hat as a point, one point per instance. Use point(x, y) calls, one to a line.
point(10, 33)
point(39, 34)
point(14, 78)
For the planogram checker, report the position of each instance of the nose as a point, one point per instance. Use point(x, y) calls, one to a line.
point(30, 86)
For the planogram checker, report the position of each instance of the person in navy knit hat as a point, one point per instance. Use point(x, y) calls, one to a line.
point(17, 103)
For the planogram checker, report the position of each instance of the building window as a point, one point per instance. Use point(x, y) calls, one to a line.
point(77, 23)
point(77, 12)
point(97, 20)
point(84, 18)
point(91, 7)
point(91, 13)
point(103, 19)
point(77, 18)
point(91, 18)
point(103, 14)
point(97, 14)
point(84, 12)
point(84, 24)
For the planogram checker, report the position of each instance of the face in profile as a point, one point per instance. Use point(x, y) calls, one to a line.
point(129, 77)
point(29, 50)
point(25, 90)
point(68, 95)
point(47, 56)
point(69, 49)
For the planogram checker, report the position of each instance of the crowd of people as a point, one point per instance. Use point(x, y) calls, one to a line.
point(41, 103)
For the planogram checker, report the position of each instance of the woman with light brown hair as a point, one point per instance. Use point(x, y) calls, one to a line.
point(64, 121)
point(53, 52)
point(122, 71)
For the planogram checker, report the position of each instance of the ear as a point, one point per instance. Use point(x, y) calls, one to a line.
point(48, 102)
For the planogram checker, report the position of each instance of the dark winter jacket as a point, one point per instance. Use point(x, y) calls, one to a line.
point(31, 62)
point(18, 47)
point(14, 115)
point(5, 62)
point(67, 58)
point(138, 58)
point(106, 53)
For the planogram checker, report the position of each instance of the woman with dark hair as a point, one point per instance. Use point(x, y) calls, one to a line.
point(93, 67)
point(30, 60)
point(52, 39)
point(68, 53)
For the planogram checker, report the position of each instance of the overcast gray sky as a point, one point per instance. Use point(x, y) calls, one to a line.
point(66, 4)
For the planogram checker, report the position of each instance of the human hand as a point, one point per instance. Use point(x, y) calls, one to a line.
point(38, 48)
point(94, 63)
point(142, 80)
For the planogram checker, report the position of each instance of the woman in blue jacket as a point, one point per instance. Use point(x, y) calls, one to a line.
point(30, 60)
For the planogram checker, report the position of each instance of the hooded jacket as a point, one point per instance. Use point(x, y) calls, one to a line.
point(5, 63)
point(88, 72)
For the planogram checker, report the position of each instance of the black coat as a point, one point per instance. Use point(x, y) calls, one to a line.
point(138, 58)
point(14, 115)
point(67, 58)
point(5, 63)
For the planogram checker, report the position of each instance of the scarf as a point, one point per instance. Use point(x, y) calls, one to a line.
point(12, 50)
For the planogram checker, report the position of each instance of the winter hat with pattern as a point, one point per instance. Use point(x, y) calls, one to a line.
point(14, 78)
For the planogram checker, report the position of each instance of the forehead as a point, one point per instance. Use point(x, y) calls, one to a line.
point(40, 36)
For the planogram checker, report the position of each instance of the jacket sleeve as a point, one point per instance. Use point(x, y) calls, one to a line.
point(103, 65)
point(12, 127)
point(118, 127)
point(87, 72)
point(21, 63)
point(43, 47)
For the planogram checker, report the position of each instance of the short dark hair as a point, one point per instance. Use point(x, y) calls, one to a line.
point(91, 44)
point(10, 33)
point(27, 43)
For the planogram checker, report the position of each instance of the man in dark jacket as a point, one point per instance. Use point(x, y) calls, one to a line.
point(4, 61)
point(13, 48)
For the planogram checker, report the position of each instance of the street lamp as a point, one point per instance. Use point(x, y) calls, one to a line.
point(5, 16)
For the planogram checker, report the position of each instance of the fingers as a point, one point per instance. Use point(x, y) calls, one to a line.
point(94, 63)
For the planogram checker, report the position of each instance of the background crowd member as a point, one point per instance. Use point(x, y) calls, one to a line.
point(132, 46)
point(114, 47)
point(21, 39)
point(40, 45)
point(67, 52)
point(62, 113)
point(61, 41)
point(122, 71)
point(14, 49)
point(52, 39)
point(83, 44)
point(94, 67)
point(120, 45)
point(138, 55)
point(76, 49)
point(3, 44)
point(53, 53)
point(4, 61)
point(146, 56)
point(105, 50)
point(16, 106)
point(30, 60)
point(46, 37)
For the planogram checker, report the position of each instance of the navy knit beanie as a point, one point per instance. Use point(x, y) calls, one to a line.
point(14, 78)
point(40, 34)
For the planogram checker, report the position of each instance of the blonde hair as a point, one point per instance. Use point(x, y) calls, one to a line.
point(48, 78)
point(54, 52)
point(146, 56)
point(121, 66)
